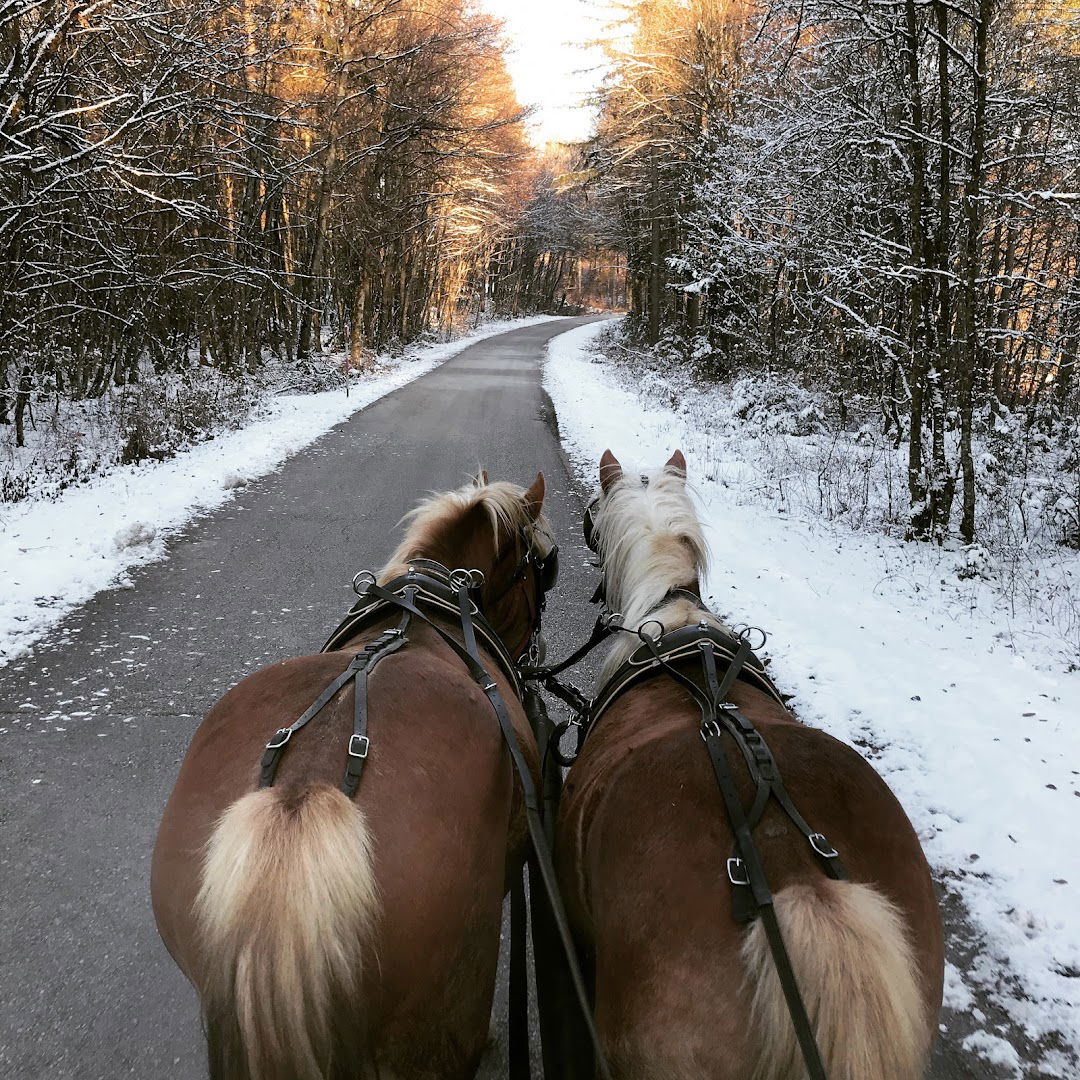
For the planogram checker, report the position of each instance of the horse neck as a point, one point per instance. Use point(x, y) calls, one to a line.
point(510, 617)
point(650, 600)
point(642, 574)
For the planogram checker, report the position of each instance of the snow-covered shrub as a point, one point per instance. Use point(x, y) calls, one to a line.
point(974, 561)
point(68, 441)
point(777, 405)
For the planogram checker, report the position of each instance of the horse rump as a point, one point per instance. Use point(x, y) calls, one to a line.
point(859, 980)
point(286, 915)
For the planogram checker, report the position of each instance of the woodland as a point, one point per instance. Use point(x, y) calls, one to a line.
point(194, 184)
point(877, 201)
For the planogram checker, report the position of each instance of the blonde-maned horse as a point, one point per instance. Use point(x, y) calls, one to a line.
point(683, 990)
point(332, 937)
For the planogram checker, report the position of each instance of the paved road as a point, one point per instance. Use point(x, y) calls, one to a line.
point(87, 989)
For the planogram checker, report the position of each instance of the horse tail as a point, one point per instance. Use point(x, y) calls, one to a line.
point(286, 914)
point(859, 981)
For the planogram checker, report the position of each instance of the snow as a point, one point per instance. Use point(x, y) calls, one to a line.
point(980, 742)
point(56, 555)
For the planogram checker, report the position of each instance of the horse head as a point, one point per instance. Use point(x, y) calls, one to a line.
point(645, 530)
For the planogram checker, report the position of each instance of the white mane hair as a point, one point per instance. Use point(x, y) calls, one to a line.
point(506, 510)
point(650, 542)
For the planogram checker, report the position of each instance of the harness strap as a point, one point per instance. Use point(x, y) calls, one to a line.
point(530, 796)
point(762, 764)
point(359, 668)
point(518, 1003)
point(714, 725)
point(359, 743)
point(600, 633)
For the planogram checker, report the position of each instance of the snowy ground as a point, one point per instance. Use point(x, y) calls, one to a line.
point(55, 555)
point(980, 742)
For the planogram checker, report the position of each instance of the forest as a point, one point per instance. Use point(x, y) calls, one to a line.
point(206, 186)
point(876, 200)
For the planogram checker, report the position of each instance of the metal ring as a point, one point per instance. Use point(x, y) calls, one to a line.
point(461, 579)
point(477, 577)
point(612, 620)
point(745, 635)
point(648, 637)
point(361, 582)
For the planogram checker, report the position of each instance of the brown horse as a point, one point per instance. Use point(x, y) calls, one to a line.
point(681, 988)
point(331, 937)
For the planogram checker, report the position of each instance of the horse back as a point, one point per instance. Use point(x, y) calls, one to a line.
point(437, 794)
point(644, 840)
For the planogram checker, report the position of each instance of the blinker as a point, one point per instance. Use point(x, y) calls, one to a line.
point(588, 527)
point(547, 569)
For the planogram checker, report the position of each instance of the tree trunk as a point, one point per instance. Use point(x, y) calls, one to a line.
point(920, 526)
point(974, 217)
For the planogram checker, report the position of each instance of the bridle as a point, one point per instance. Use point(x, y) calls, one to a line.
point(545, 572)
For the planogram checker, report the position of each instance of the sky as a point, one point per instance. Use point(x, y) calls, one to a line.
point(549, 62)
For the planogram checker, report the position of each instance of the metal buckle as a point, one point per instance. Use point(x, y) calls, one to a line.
point(710, 728)
point(737, 864)
point(822, 846)
point(281, 737)
point(359, 746)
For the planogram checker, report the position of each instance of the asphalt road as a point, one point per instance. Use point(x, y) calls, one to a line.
point(87, 989)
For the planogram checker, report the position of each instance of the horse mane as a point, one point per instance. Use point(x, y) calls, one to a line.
point(506, 510)
point(651, 542)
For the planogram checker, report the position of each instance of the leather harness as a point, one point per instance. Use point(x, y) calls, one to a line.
point(724, 657)
point(426, 592)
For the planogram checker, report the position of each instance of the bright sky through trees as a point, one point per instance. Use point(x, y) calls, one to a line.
point(551, 64)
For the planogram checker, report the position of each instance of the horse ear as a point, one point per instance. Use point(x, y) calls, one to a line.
point(481, 478)
point(610, 471)
point(676, 464)
point(534, 497)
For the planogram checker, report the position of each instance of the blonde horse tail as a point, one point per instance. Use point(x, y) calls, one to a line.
point(858, 978)
point(286, 915)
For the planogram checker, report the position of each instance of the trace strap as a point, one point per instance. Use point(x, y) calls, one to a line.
point(360, 668)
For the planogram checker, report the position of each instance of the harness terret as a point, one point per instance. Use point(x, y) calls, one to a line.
point(426, 592)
